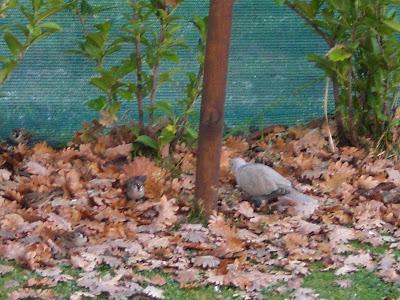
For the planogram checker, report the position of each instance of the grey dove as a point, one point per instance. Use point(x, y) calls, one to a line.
point(262, 183)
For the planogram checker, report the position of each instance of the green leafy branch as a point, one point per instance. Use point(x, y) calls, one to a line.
point(37, 28)
point(363, 63)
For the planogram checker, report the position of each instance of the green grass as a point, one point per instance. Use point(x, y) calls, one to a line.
point(377, 250)
point(365, 285)
point(271, 294)
point(19, 274)
point(172, 291)
point(65, 289)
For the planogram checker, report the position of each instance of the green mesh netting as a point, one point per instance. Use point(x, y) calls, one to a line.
point(270, 79)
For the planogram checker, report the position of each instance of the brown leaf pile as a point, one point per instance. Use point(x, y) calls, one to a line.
point(68, 207)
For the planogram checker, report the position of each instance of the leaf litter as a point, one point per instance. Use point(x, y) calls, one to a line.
point(68, 207)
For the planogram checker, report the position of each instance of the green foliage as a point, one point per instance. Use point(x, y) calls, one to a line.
point(35, 28)
point(365, 285)
point(140, 75)
point(363, 62)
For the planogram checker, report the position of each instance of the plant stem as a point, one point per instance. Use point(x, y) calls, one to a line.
point(82, 21)
point(139, 80)
point(326, 97)
point(183, 119)
point(155, 73)
point(139, 74)
point(343, 140)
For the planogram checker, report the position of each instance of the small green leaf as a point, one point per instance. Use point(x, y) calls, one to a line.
point(167, 134)
point(104, 27)
point(37, 4)
point(165, 107)
point(97, 104)
point(57, 2)
point(112, 49)
point(342, 5)
point(392, 24)
point(13, 44)
point(86, 9)
point(127, 95)
point(96, 39)
point(114, 108)
point(6, 69)
point(339, 53)
point(4, 59)
point(170, 55)
point(51, 26)
point(147, 141)
point(27, 14)
point(100, 83)
point(190, 134)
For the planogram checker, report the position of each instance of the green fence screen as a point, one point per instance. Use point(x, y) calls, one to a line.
point(270, 79)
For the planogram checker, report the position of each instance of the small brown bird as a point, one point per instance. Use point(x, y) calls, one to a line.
point(20, 136)
point(72, 239)
point(38, 199)
point(134, 187)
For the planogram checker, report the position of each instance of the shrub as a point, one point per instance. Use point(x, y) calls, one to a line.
point(363, 63)
point(139, 76)
point(35, 27)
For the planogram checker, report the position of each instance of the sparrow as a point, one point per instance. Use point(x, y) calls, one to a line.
point(134, 187)
point(20, 136)
point(38, 199)
point(72, 239)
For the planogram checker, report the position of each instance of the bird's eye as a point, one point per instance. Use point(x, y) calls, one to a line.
point(138, 186)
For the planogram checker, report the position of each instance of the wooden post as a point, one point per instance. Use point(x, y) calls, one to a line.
point(212, 104)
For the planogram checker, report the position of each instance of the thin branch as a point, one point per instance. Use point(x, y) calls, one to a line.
point(155, 74)
point(183, 119)
point(317, 29)
point(81, 21)
point(139, 76)
point(139, 82)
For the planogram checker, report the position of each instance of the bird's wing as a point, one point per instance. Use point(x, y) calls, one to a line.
point(254, 180)
point(273, 175)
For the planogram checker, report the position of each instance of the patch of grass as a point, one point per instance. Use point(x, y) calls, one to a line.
point(197, 215)
point(271, 294)
point(19, 274)
point(69, 270)
point(173, 292)
point(377, 250)
point(365, 285)
point(65, 289)
point(104, 270)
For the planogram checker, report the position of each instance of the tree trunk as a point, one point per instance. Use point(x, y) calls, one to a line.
point(212, 104)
